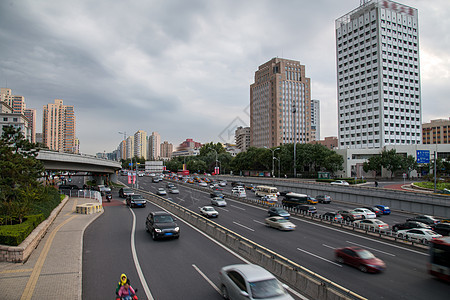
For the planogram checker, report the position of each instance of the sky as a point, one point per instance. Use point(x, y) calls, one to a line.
point(184, 68)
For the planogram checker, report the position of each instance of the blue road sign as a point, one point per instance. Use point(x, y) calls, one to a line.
point(423, 156)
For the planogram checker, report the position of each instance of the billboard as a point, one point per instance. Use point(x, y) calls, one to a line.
point(423, 156)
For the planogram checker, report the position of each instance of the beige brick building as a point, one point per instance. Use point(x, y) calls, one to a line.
point(280, 104)
point(436, 132)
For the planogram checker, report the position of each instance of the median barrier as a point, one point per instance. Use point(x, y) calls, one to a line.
point(306, 281)
point(88, 208)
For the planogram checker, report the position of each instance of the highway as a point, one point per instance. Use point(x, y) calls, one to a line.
point(310, 245)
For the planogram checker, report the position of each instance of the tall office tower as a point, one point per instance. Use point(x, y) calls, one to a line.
point(378, 75)
point(166, 150)
point(129, 149)
point(30, 113)
point(154, 146)
point(280, 104)
point(58, 126)
point(140, 144)
point(315, 120)
point(242, 137)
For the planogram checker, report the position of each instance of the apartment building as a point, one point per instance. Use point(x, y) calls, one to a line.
point(280, 104)
point(378, 76)
point(58, 127)
point(242, 137)
point(140, 144)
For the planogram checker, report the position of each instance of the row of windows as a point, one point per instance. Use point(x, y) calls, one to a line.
point(386, 141)
point(363, 126)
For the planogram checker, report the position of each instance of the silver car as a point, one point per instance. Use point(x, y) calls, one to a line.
point(217, 201)
point(250, 282)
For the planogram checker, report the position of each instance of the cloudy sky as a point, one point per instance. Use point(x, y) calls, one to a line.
point(183, 68)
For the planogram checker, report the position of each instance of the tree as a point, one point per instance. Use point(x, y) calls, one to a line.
point(391, 161)
point(373, 164)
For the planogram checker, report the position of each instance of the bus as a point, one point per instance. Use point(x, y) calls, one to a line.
point(262, 190)
point(295, 199)
point(439, 264)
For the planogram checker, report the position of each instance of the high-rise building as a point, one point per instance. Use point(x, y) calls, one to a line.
point(280, 104)
point(154, 146)
point(30, 113)
point(378, 76)
point(166, 150)
point(242, 137)
point(315, 120)
point(58, 126)
point(129, 147)
point(140, 144)
point(436, 132)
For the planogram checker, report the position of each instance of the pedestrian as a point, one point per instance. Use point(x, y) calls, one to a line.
point(376, 183)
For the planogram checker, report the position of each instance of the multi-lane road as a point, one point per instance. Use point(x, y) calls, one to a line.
point(188, 267)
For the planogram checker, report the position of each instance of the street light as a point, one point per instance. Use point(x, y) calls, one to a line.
point(273, 158)
point(294, 110)
point(215, 169)
point(279, 165)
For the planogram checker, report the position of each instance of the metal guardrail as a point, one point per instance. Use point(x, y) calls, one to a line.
point(82, 194)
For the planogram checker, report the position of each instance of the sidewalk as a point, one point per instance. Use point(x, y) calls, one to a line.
point(53, 271)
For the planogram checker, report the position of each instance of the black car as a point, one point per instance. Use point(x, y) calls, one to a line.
point(278, 211)
point(161, 224)
point(332, 216)
point(215, 194)
point(323, 198)
point(430, 220)
point(283, 193)
point(442, 228)
point(124, 192)
point(237, 183)
point(378, 212)
point(136, 200)
point(410, 225)
point(310, 209)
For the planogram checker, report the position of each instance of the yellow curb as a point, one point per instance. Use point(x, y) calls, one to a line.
point(31, 285)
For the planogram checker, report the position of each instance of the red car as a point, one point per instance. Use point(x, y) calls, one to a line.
point(359, 258)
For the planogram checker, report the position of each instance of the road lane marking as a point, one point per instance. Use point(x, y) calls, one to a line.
point(328, 246)
point(136, 261)
point(238, 207)
point(206, 278)
point(387, 253)
point(223, 209)
point(243, 226)
point(32, 281)
point(317, 256)
point(259, 222)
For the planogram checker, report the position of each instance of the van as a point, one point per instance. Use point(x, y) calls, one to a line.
point(262, 190)
point(294, 199)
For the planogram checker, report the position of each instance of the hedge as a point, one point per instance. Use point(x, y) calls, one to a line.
point(13, 235)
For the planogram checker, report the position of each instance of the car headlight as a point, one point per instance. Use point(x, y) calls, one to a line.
point(177, 229)
point(157, 230)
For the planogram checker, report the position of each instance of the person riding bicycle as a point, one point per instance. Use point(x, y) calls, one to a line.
point(126, 292)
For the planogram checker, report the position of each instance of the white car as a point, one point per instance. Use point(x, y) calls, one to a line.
point(209, 212)
point(222, 183)
point(367, 213)
point(239, 193)
point(161, 192)
point(340, 182)
point(174, 190)
point(202, 183)
point(279, 223)
point(217, 201)
point(418, 234)
point(375, 224)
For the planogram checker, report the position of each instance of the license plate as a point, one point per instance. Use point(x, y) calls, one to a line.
point(168, 233)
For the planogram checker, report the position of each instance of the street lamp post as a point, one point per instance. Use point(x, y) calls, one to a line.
point(294, 110)
point(215, 169)
point(279, 165)
point(273, 158)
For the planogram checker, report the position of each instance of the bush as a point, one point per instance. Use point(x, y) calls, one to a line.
point(13, 235)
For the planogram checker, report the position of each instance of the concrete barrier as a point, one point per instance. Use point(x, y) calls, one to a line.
point(89, 208)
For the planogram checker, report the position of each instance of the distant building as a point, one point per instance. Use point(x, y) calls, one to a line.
point(166, 150)
point(330, 142)
point(242, 137)
point(315, 120)
point(140, 144)
point(39, 138)
point(378, 76)
point(129, 149)
point(7, 118)
point(58, 126)
point(155, 166)
point(154, 146)
point(232, 149)
point(436, 132)
point(280, 104)
point(190, 144)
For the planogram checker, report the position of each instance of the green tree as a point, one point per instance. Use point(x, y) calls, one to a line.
point(373, 164)
point(391, 160)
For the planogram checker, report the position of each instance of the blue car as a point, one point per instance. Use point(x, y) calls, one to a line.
point(385, 209)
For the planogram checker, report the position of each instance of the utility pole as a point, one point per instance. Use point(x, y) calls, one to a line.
point(294, 110)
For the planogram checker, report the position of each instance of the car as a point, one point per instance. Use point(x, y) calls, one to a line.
point(209, 211)
point(374, 224)
point(442, 228)
point(161, 192)
point(215, 194)
point(279, 223)
point(332, 216)
point(239, 192)
point(305, 208)
point(169, 185)
point(410, 225)
point(278, 211)
point(236, 183)
point(340, 182)
point(136, 200)
point(102, 189)
point(374, 209)
point(359, 258)
point(174, 190)
point(366, 213)
point(124, 192)
point(323, 198)
point(217, 201)
point(284, 193)
point(222, 183)
point(248, 281)
point(350, 215)
point(161, 224)
point(312, 200)
point(250, 187)
point(385, 209)
point(430, 220)
point(203, 184)
point(418, 234)
point(156, 179)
